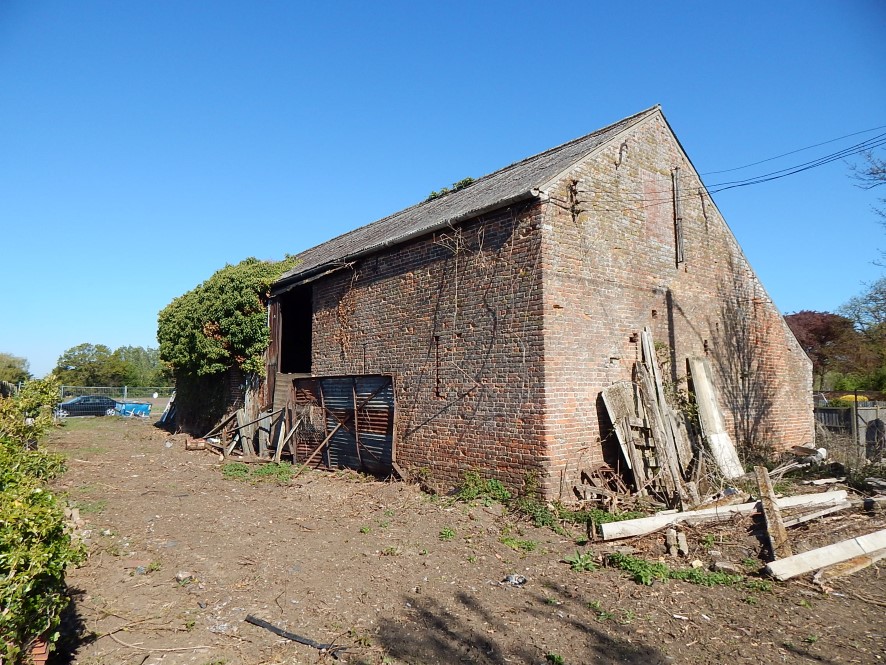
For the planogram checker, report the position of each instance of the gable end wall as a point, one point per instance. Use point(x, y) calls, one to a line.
point(609, 258)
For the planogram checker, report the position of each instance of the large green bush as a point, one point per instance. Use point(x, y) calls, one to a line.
point(223, 322)
point(35, 546)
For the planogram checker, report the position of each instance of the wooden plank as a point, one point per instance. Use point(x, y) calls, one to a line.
point(263, 434)
point(356, 422)
point(281, 435)
point(848, 567)
point(682, 449)
point(243, 435)
point(778, 535)
point(619, 401)
point(806, 517)
point(317, 450)
point(711, 419)
point(644, 525)
point(785, 569)
point(665, 450)
point(218, 428)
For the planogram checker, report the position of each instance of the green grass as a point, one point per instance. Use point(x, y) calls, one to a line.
point(280, 473)
point(519, 545)
point(91, 507)
point(475, 487)
point(447, 533)
point(235, 471)
point(648, 572)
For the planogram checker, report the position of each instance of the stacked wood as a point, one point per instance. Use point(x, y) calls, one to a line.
point(654, 437)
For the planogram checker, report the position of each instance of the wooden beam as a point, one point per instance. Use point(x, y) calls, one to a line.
point(316, 450)
point(644, 525)
point(785, 569)
point(805, 517)
point(711, 419)
point(778, 535)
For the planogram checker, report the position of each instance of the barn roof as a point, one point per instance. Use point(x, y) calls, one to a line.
point(496, 190)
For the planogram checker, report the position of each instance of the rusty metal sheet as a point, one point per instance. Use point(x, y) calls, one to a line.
point(364, 404)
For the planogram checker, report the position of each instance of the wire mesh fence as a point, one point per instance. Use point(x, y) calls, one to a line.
point(118, 392)
point(112, 400)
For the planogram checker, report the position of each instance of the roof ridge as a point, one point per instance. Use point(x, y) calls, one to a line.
point(631, 119)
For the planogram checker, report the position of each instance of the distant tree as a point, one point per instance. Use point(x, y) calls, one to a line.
point(13, 369)
point(868, 310)
point(830, 340)
point(143, 366)
point(91, 365)
point(871, 174)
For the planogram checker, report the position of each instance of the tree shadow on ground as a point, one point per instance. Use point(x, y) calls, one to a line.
point(468, 631)
point(72, 631)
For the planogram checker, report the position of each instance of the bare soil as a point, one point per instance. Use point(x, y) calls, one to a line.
point(400, 576)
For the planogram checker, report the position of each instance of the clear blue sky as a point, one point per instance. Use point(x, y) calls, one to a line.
point(144, 145)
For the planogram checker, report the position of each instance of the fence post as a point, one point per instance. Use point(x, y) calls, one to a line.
point(124, 393)
point(855, 426)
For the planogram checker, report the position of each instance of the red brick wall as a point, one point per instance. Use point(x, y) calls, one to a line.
point(501, 334)
point(456, 318)
point(609, 257)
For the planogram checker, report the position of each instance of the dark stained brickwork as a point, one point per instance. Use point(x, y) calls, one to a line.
point(456, 317)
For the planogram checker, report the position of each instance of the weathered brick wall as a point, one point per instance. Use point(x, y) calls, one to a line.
point(456, 318)
point(609, 259)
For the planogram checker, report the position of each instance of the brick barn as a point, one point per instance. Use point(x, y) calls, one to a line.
point(500, 311)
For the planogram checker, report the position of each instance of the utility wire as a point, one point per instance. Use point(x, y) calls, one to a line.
point(793, 152)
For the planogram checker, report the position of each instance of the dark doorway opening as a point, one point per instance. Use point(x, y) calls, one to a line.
point(296, 312)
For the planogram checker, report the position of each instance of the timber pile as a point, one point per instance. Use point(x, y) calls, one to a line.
point(262, 439)
point(776, 515)
point(654, 437)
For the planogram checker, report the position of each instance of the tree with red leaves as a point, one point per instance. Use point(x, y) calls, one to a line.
point(832, 343)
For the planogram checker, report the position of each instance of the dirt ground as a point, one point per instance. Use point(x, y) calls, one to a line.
point(180, 555)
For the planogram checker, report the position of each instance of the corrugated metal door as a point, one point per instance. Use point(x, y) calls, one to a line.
point(363, 406)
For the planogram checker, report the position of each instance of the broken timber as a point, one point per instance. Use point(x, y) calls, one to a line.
point(863, 546)
point(644, 525)
point(652, 436)
point(778, 535)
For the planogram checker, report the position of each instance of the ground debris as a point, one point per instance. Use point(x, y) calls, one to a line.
point(331, 648)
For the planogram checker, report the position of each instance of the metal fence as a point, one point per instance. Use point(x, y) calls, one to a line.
point(118, 392)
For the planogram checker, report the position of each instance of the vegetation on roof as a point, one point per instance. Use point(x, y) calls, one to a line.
point(461, 184)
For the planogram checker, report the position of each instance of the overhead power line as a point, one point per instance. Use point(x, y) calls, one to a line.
point(858, 148)
point(793, 152)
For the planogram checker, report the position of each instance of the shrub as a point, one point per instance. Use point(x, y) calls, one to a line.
point(35, 550)
point(35, 547)
point(222, 323)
